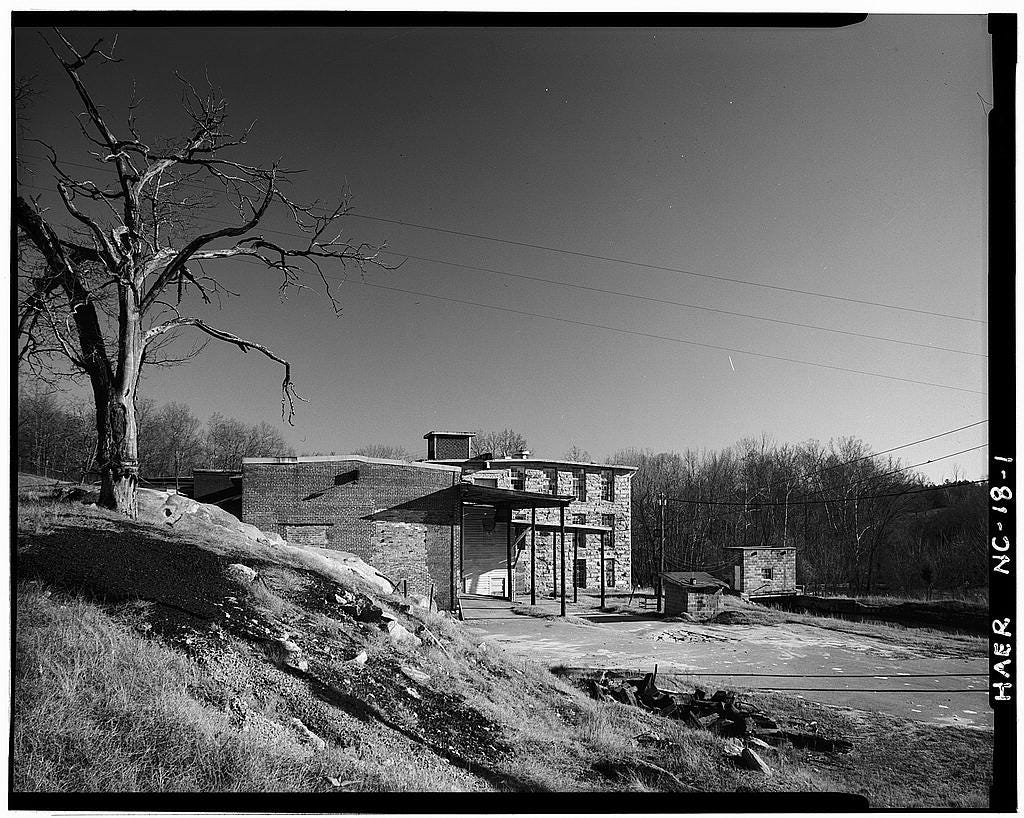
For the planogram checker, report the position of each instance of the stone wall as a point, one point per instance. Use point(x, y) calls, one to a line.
point(783, 565)
point(618, 545)
point(702, 605)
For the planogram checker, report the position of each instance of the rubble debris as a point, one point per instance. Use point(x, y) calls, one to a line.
point(398, 633)
point(752, 761)
point(363, 610)
point(415, 675)
point(292, 655)
point(242, 573)
point(359, 659)
point(722, 713)
point(308, 734)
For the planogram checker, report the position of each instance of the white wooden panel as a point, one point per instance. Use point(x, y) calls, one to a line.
point(484, 559)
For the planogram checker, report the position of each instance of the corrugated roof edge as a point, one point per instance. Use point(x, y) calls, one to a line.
point(349, 457)
point(519, 461)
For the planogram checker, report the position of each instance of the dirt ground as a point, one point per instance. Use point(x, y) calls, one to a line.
point(821, 665)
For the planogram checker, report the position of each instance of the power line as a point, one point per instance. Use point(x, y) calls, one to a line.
point(872, 689)
point(893, 449)
point(869, 457)
point(645, 334)
point(758, 506)
point(666, 337)
point(645, 265)
point(619, 293)
point(632, 262)
point(681, 304)
point(893, 675)
point(913, 466)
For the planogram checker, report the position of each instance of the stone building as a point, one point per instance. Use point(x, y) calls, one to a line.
point(458, 525)
point(764, 571)
point(692, 592)
point(597, 523)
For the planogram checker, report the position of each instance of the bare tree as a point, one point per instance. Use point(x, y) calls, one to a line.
point(577, 455)
point(108, 295)
point(384, 451)
point(500, 444)
point(171, 440)
point(228, 440)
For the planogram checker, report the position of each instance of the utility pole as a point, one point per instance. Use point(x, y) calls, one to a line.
point(661, 562)
point(561, 532)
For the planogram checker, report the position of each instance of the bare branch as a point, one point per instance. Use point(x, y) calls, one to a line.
point(288, 393)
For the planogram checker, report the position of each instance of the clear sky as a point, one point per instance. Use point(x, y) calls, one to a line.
point(847, 162)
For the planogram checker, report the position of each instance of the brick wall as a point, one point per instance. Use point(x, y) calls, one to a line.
point(306, 497)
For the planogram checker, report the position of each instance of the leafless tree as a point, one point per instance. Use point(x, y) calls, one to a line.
point(577, 455)
point(228, 440)
point(385, 451)
point(170, 440)
point(505, 443)
point(108, 295)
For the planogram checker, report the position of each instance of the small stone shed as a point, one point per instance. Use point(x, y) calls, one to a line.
point(764, 571)
point(692, 592)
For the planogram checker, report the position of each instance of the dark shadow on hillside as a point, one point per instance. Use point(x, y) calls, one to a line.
point(120, 561)
point(365, 711)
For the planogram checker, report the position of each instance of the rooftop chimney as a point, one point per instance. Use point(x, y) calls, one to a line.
point(522, 454)
point(449, 445)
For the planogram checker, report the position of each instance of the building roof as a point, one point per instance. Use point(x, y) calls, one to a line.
point(694, 580)
point(534, 462)
point(491, 496)
point(450, 434)
point(344, 458)
point(760, 547)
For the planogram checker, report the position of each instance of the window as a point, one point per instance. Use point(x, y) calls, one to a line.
point(552, 476)
point(608, 485)
point(579, 484)
point(608, 521)
point(766, 573)
point(609, 571)
point(518, 479)
point(580, 574)
point(578, 519)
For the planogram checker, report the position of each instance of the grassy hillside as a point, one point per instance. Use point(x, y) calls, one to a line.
point(191, 658)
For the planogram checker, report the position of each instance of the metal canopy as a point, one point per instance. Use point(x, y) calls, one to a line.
point(510, 498)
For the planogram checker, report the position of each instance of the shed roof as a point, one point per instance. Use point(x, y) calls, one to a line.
point(694, 580)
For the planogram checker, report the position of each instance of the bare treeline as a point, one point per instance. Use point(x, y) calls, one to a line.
point(55, 440)
point(859, 523)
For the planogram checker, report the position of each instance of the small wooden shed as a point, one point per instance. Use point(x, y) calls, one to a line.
point(692, 592)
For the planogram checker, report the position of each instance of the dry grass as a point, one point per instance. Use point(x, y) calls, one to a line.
point(101, 710)
point(101, 707)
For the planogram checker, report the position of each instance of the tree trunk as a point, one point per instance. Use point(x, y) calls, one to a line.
point(119, 464)
point(116, 426)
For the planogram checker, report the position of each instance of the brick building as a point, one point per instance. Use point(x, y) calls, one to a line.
point(459, 524)
point(761, 571)
point(397, 516)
